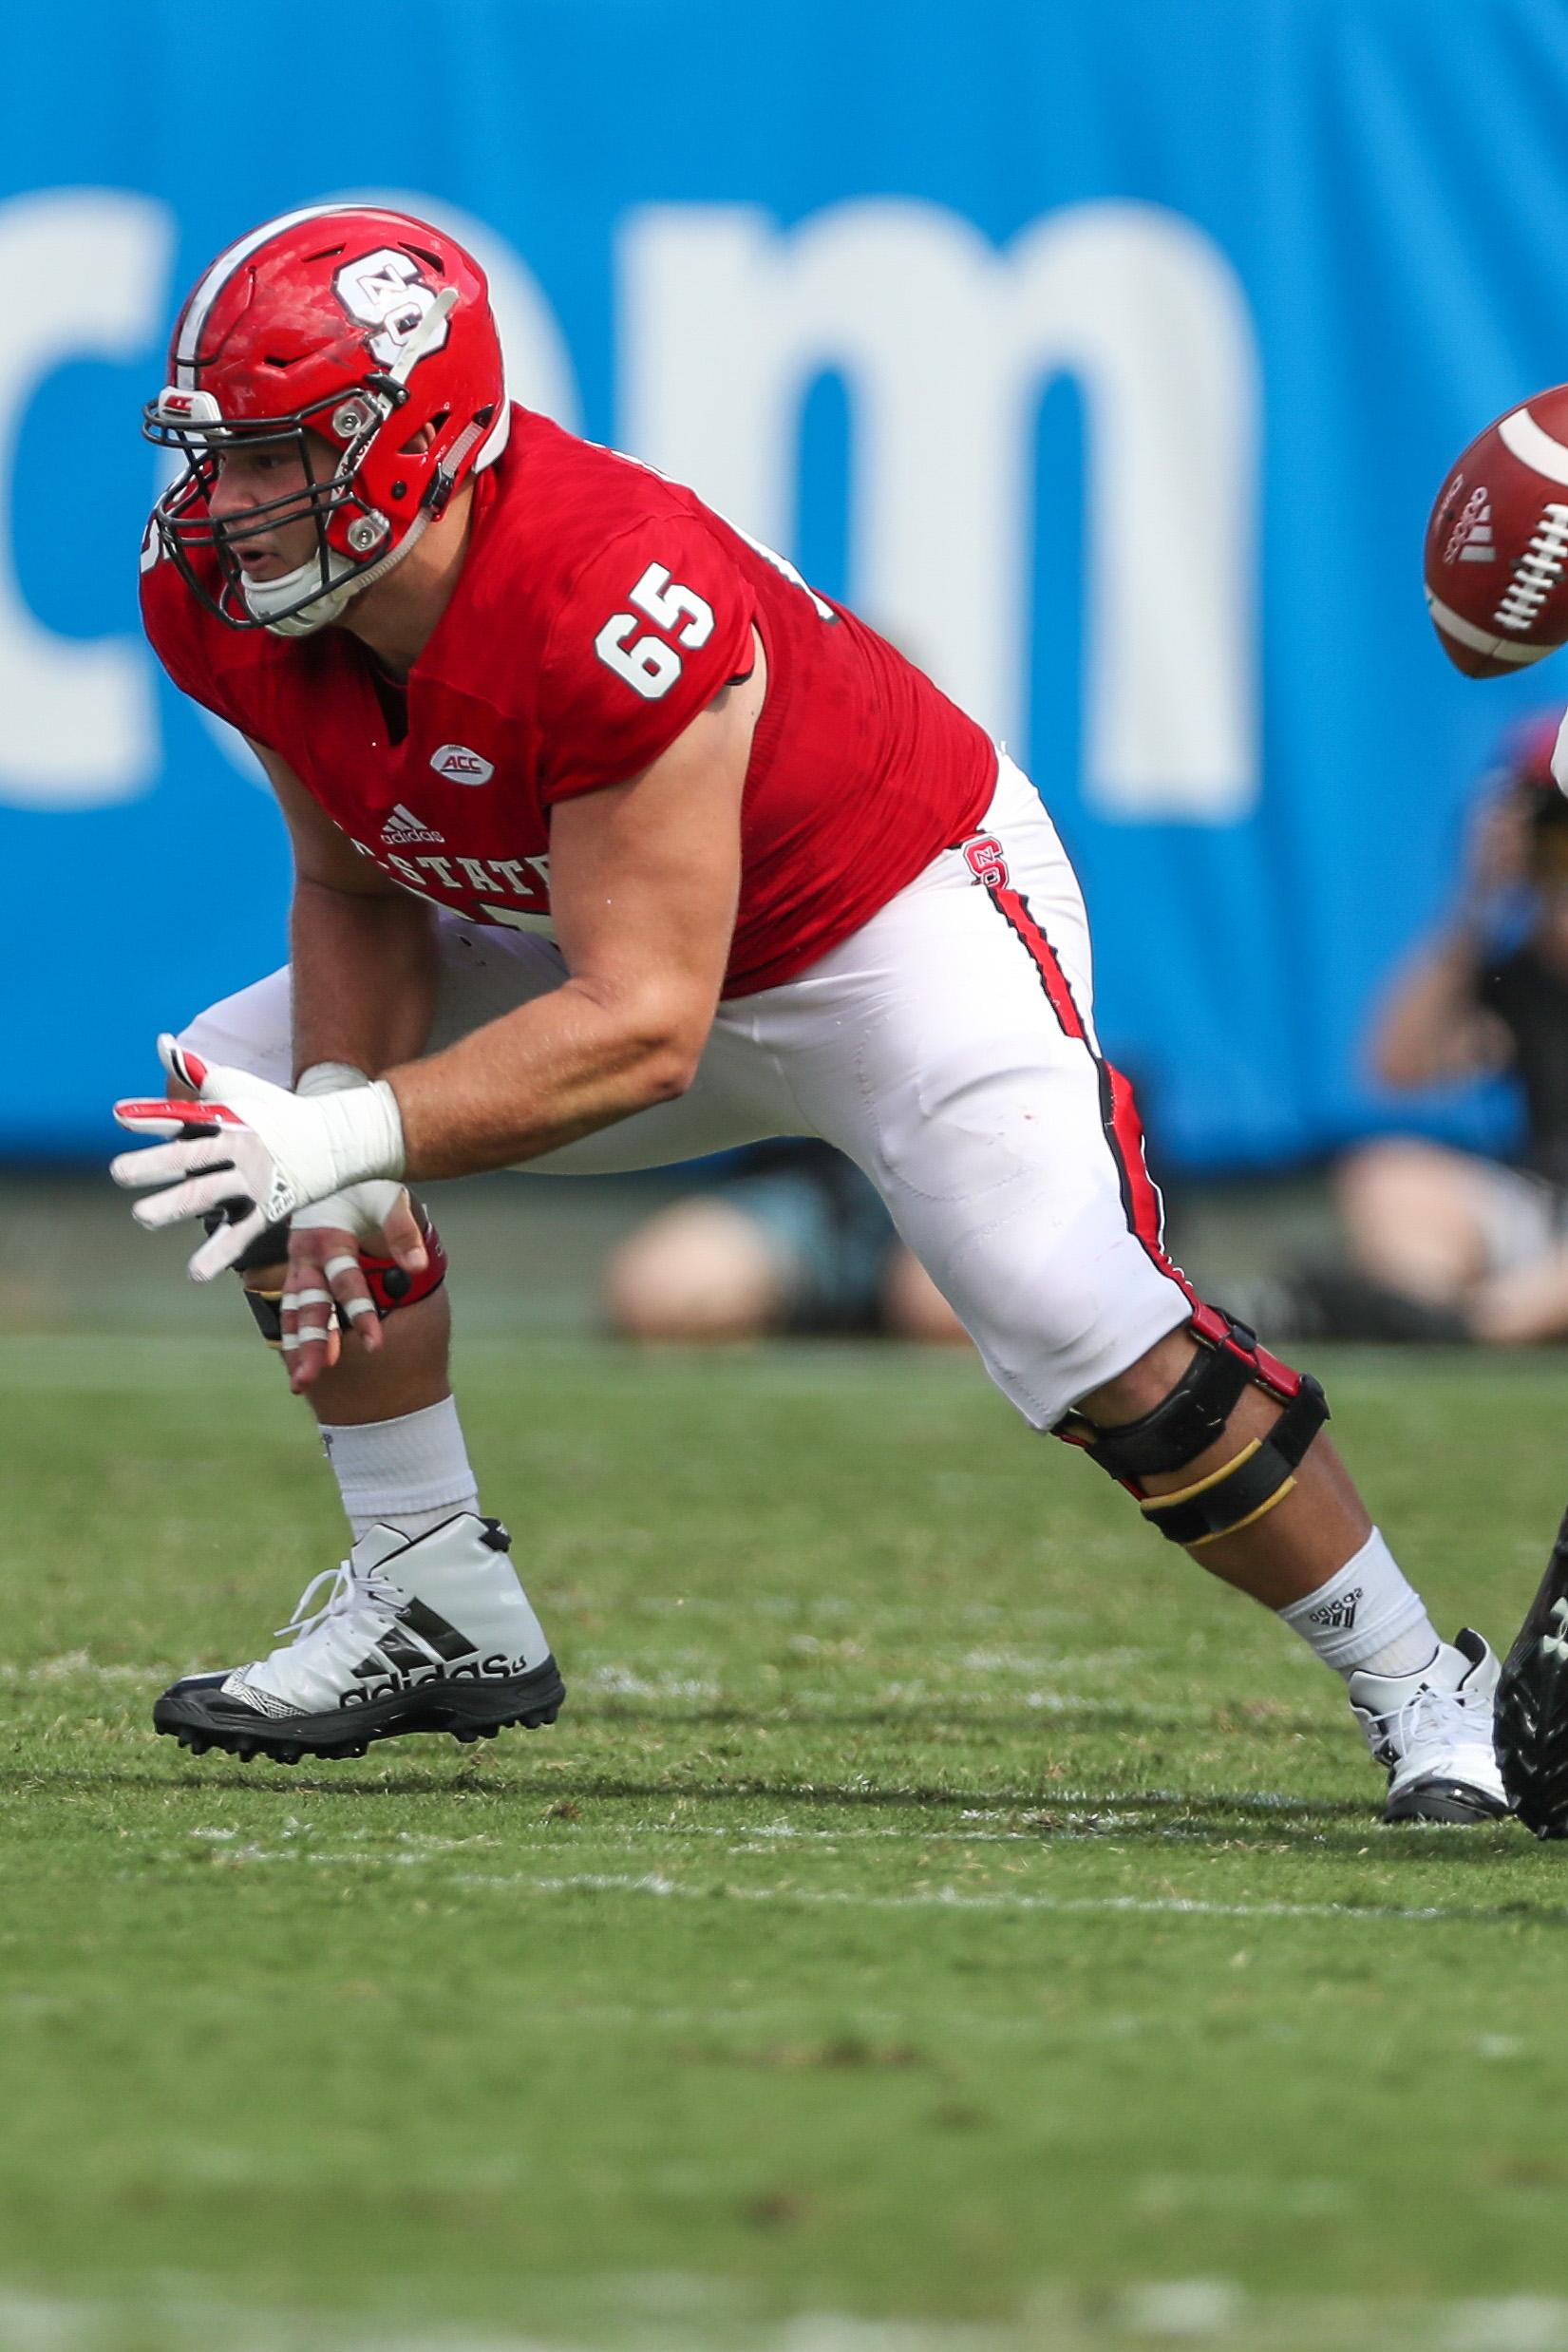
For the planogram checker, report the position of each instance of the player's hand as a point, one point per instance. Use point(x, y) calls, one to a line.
point(325, 1274)
point(272, 1154)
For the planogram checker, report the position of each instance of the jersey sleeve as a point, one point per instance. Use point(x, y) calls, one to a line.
point(653, 626)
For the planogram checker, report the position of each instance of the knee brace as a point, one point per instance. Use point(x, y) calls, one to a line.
point(1195, 1416)
point(390, 1286)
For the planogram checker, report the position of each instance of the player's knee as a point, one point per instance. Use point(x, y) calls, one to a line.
point(263, 1271)
point(1145, 1384)
point(1035, 1315)
point(1196, 1378)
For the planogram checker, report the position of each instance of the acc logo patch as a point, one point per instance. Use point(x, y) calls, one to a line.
point(460, 766)
point(385, 290)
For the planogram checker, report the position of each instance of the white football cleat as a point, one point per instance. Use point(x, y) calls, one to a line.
point(1433, 1732)
point(433, 1634)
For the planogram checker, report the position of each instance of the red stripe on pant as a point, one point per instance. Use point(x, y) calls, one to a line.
point(1119, 1117)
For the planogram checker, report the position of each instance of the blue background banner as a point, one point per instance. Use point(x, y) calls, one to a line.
point(1107, 359)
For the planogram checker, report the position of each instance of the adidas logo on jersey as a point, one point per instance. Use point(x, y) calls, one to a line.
point(458, 765)
point(403, 827)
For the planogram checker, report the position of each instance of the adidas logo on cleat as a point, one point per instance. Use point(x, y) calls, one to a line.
point(420, 1646)
point(392, 1685)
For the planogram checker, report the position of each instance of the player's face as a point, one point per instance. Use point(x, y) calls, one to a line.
point(250, 479)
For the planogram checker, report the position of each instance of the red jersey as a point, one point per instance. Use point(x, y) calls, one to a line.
point(598, 610)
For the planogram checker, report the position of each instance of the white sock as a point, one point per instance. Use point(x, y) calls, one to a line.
point(411, 1473)
point(1367, 1617)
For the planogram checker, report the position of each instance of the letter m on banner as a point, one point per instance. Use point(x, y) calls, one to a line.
point(946, 346)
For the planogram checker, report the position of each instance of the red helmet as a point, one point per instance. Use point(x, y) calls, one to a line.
point(364, 327)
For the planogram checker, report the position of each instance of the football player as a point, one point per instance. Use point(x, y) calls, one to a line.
point(617, 844)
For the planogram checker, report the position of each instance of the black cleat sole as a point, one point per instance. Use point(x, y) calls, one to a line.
point(197, 1715)
point(1443, 1801)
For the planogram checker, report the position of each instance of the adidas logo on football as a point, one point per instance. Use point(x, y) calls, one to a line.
point(403, 827)
point(1471, 541)
point(458, 765)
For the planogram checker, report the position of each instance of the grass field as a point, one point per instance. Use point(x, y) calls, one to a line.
point(942, 1920)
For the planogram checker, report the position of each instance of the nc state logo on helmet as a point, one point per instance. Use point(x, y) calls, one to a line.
point(361, 342)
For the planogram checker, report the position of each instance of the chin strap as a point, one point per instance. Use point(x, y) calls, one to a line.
point(351, 581)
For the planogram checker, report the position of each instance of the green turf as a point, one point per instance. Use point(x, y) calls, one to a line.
point(938, 1904)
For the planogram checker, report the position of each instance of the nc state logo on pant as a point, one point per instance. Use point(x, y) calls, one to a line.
point(986, 861)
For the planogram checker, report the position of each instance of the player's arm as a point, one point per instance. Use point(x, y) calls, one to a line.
point(364, 966)
point(362, 949)
point(644, 880)
point(644, 885)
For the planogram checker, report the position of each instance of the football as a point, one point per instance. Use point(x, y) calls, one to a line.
point(1496, 544)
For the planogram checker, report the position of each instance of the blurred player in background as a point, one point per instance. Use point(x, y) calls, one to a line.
point(615, 845)
point(790, 1238)
point(1451, 1244)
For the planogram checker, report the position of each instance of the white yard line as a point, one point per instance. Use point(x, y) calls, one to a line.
point(655, 1883)
point(1097, 1823)
point(680, 2314)
point(951, 1899)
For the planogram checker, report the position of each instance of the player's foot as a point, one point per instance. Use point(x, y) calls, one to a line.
point(1532, 1707)
point(436, 1635)
point(1433, 1732)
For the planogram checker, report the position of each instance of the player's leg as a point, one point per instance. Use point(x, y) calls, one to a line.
point(1264, 1502)
point(426, 1626)
point(973, 1093)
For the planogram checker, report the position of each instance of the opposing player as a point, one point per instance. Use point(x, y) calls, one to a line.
point(617, 844)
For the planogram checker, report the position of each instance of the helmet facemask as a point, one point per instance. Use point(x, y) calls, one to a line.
point(316, 589)
point(355, 538)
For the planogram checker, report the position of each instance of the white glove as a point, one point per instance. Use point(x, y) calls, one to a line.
point(362, 1209)
point(275, 1153)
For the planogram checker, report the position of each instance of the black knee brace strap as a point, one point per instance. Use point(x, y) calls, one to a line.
point(1192, 1418)
point(389, 1286)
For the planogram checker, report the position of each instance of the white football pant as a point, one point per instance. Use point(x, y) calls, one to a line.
point(948, 1047)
